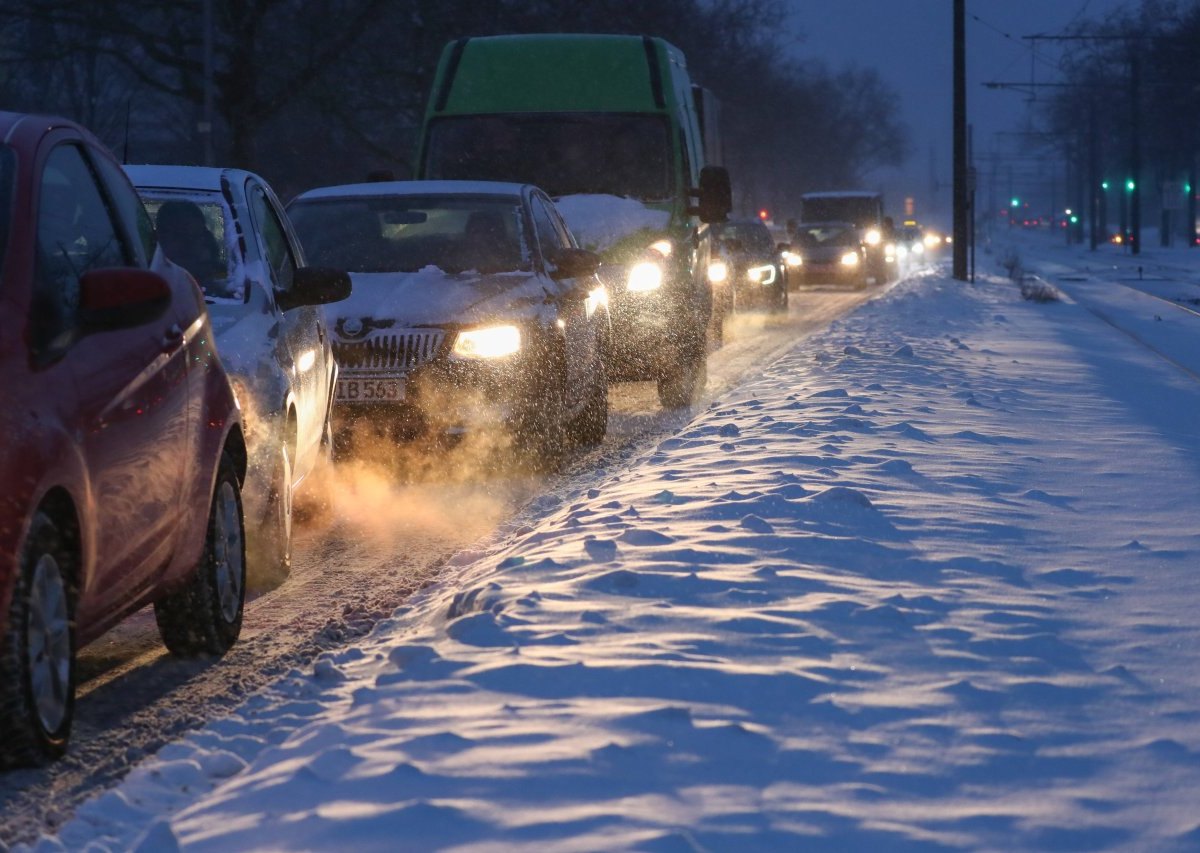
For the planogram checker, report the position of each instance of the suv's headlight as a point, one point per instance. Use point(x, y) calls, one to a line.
point(850, 259)
point(644, 276)
point(764, 275)
point(487, 342)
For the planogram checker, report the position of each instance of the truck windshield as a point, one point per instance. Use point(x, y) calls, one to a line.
point(563, 153)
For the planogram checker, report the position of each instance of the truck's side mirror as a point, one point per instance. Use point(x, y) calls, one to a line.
point(715, 195)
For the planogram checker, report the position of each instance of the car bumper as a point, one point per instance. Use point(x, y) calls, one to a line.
point(441, 398)
point(825, 273)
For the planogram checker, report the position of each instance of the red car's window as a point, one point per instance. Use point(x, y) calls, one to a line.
point(75, 233)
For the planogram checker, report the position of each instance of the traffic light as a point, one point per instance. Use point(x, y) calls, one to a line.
point(1130, 185)
point(763, 214)
point(1104, 185)
point(1016, 202)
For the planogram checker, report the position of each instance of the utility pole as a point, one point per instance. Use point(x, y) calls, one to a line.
point(206, 124)
point(1093, 178)
point(961, 234)
point(1135, 152)
point(1193, 236)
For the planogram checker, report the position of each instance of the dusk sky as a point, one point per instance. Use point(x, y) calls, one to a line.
point(909, 43)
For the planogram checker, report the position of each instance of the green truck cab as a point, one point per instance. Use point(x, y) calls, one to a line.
point(609, 127)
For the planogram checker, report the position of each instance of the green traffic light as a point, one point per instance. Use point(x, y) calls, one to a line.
point(1016, 202)
point(1130, 185)
point(1074, 220)
point(1104, 185)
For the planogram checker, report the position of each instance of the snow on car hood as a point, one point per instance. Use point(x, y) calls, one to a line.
point(600, 221)
point(433, 297)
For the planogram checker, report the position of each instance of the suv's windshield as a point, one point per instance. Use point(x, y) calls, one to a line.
point(563, 153)
point(754, 236)
point(402, 233)
point(832, 234)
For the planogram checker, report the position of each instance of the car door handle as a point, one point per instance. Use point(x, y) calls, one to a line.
point(172, 337)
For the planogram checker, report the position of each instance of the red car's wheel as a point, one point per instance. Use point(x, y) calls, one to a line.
point(37, 669)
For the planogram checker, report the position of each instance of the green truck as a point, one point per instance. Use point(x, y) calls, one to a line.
point(609, 127)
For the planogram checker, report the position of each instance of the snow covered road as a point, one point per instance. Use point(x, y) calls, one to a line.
point(928, 583)
point(354, 564)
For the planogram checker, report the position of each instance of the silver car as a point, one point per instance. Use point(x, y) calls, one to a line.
point(474, 311)
point(228, 230)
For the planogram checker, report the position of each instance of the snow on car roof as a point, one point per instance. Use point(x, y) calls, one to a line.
point(416, 188)
point(180, 177)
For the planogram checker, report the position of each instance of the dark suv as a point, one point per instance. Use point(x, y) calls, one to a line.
point(755, 272)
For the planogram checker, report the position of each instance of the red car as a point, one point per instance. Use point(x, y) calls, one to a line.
point(122, 455)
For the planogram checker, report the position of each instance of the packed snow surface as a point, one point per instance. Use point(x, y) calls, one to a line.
point(929, 582)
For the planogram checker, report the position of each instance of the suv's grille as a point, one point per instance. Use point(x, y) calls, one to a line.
point(402, 351)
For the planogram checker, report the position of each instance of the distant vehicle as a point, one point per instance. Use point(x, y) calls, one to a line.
point(864, 210)
point(756, 273)
point(227, 228)
point(910, 243)
point(608, 126)
point(473, 309)
point(830, 253)
point(123, 455)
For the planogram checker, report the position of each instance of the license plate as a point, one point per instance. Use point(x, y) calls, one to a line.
point(369, 391)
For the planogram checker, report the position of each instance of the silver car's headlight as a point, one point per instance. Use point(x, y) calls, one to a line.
point(487, 342)
point(644, 276)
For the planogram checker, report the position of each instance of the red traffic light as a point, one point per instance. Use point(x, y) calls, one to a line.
point(762, 214)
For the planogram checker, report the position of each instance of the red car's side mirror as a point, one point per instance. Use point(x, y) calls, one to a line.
point(121, 298)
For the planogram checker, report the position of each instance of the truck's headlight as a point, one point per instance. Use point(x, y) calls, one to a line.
point(764, 275)
point(718, 271)
point(488, 342)
point(873, 237)
point(644, 276)
point(850, 259)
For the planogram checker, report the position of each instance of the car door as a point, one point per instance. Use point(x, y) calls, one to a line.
point(131, 385)
point(579, 314)
point(302, 348)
